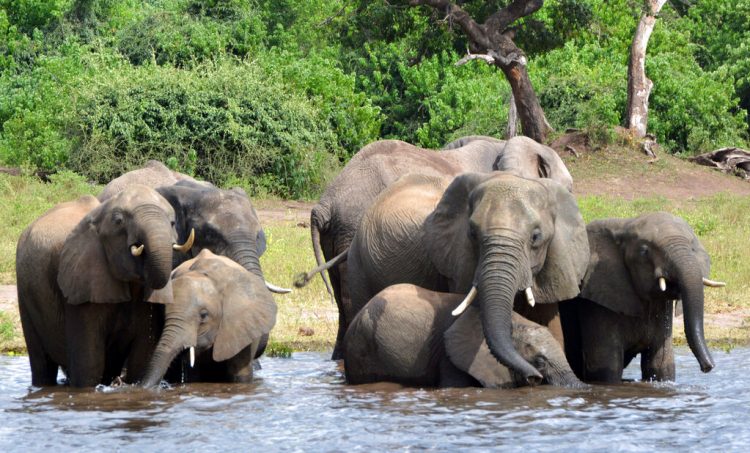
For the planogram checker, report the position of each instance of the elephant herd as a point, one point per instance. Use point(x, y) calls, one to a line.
point(466, 266)
point(472, 265)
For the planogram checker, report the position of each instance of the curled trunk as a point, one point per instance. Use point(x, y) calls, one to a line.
point(690, 280)
point(501, 269)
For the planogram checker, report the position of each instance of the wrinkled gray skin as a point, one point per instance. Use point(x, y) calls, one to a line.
point(622, 312)
point(221, 310)
point(154, 174)
point(224, 221)
point(407, 334)
point(81, 291)
point(376, 166)
point(497, 231)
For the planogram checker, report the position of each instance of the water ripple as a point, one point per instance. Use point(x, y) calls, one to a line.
point(301, 404)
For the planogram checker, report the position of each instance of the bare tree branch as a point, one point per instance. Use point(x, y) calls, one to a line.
point(498, 22)
point(457, 15)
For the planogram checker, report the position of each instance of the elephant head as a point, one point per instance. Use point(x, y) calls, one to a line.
point(467, 349)
point(127, 239)
point(499, 236)
point(654, 258)
point(214, 303)
point(224, 221)
point(529, 159)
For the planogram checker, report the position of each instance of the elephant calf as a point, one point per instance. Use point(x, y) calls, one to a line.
point(407, 334)
point(638, 268)
point(215, 306)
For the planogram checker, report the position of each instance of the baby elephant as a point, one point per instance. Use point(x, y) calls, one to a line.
point(408, 335)
point(214, 307)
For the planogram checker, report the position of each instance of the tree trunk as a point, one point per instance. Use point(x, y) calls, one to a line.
point(510, 131)
point(533, 122)
point(494, 40)
point(639, 86)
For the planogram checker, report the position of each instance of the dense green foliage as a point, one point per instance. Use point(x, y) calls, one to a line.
point(276, 95)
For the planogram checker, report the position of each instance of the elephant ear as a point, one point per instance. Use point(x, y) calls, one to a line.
point(84, 274)
point(567, 253)
point(448, 227)
point(467, 350)
point(249, 312)
point(608, 280)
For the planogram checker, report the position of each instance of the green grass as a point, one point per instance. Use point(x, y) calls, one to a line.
point(25, 198)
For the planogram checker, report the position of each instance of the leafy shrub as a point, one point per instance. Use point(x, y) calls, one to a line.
point(580, 86)
point(224, 119)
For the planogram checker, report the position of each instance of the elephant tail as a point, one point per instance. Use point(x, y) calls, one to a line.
point(304, 278)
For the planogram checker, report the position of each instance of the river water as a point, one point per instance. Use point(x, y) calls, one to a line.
point(302, 404)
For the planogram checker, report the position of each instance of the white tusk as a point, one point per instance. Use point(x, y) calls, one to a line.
point(184, 248)
point(713, 283)
point(466, 302)
point(136, 251)
point(530, 296)
point(192, 356)
point(662, 284)
point(277, 289)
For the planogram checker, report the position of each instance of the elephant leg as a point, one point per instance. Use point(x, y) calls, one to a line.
point(570, 320)
point(85, 343)
point(143, 330)
point(240, 367)
point(657, 363)
point(340, 284)
point(603, 353)
point(43, 368)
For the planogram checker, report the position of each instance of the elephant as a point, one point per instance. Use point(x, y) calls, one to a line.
point(496, 236)
point(336, 217)
point(407, 334)
point(154, 174)
point(84, 270)
point(638, 267)
point(225, 222)
point(220, 311)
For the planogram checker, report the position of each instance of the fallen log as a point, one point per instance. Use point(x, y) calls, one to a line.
point(728, 160)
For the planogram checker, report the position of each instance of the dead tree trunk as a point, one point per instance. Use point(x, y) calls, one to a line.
point(639, 86)
point(510, 131)
point(493, 42)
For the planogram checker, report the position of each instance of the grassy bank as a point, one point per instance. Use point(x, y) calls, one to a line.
point(307, 319)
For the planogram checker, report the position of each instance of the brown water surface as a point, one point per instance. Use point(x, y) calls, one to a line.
point(302, 404)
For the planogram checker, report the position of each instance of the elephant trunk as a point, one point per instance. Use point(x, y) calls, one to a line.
point(175, 338)
point(156, 235)
point(244, 251)
point(500, 271)
point(690, 280)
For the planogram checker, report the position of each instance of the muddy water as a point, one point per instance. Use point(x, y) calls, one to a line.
point(301, 404)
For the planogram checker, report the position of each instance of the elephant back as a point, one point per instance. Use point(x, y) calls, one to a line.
point(390, 238)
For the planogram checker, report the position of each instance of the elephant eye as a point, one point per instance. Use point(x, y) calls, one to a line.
point(204, 315)
point(643, 251)
point(117, 218)
point(536, 237)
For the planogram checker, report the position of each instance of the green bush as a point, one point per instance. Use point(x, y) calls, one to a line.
point(581, 86)
point(233, 119)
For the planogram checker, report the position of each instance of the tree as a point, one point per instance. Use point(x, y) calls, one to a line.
point(639, 86)
point(492, 41)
